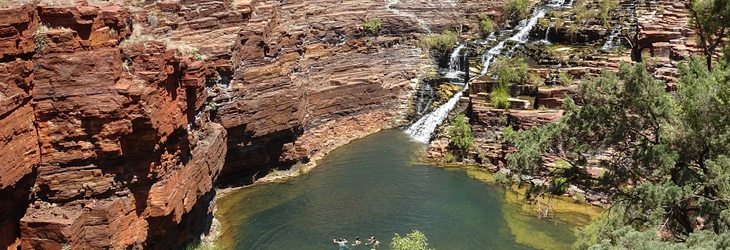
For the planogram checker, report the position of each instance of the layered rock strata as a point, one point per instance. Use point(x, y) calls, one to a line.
point(118, 145)
point(103, 146)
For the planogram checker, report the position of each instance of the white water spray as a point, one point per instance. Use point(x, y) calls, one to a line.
point(611, 42)
point(422, 129)
point(454, 63)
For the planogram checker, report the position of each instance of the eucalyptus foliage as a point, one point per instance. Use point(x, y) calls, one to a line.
point(666, 156)
point(413, 241)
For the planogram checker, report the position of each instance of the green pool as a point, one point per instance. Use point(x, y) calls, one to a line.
point(372, 187)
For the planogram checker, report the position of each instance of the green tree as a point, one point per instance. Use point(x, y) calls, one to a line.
point(666, 156)
point(413, 241)
point(461, 135)
point(711, 19)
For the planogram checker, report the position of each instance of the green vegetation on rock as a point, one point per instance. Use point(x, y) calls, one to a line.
point(672, 148)
point(486, 25)
point(499, 98)
point(515, 10)
point(372, 26)
point(461, 135)
point(442, 42)
point(508, 71)
point(564, 79)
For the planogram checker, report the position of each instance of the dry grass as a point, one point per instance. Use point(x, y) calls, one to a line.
point(137, 36)
point(186, 48)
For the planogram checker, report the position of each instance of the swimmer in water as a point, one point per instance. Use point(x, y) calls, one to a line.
point(357, 241)
point(373, 241)
point(342, 243)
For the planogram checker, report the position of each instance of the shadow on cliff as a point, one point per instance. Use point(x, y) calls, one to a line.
point(14, 200)
point(253, 157)
point(166, 234)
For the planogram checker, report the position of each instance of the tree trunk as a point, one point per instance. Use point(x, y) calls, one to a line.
point(709, 61)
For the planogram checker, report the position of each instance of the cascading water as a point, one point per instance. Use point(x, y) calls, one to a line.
point(422, 129)
point(523, 30)
point(547, 32)
point(424, 98)
point(454, 63)
point(611, 42)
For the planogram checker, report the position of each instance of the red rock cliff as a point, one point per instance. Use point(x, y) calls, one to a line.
point(103, 146)
point(118, 145)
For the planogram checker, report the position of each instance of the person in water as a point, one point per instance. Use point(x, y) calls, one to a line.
point(373, 242)
point(357, 241)
point(342, 243)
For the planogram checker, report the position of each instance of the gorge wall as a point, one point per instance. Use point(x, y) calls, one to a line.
point(117, 119)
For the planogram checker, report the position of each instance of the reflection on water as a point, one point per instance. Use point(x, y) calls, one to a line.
point(371, 187)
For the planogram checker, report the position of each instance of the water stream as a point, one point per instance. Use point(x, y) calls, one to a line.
point(454, 71)
point(422, 129)
point(611, 42)
point(372, 187)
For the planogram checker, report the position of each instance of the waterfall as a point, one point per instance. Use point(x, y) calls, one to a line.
point(421, 130)
point(556, 3)
point(424, 98)
point(454, 63)
point(611, 42)
point(523, 30)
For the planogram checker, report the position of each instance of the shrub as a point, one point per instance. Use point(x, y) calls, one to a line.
point(501, 179)
point(606, 7)
point(301, 167)
point(533, 78)
point(516, 9)
point(573, 31)
point(125, 65)
point(372, 26)
point(413, 241)
point(500, 98)
point(39, 42)
point(509, 71)
point(564, 79)
point(196, 55)
point(448, 158)
point(444, 41)
point(486, 25)
point(137, 36)
point(461, 135)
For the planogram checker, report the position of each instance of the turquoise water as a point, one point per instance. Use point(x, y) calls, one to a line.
point(372, 187)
